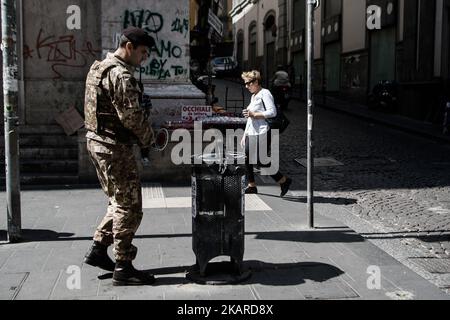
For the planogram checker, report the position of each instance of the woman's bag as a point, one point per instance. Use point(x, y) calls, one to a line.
point(279, 122)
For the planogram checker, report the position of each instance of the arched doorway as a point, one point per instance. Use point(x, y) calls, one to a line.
point(270, 34)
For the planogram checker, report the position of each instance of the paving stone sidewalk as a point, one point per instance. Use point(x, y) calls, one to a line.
point(287, 261)
point(394, 171)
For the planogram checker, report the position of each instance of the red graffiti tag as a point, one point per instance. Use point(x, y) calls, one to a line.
point(61, 52)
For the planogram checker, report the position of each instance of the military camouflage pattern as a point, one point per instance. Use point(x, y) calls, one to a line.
point(118, 175)
point(115, 121)
point(113, 113)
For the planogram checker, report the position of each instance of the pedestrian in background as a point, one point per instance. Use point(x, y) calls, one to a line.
point(115, 122)
point(281, 88)
point(281, 78)
point(257, 130)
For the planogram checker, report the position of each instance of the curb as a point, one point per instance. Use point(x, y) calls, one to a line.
point(393, 121)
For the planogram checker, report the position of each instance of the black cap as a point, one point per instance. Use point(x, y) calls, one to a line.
point(138, 37)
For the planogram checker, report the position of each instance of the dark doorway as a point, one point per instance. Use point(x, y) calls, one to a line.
point(333, 66)
point(382, 55)
point(240, 50)
point(270, 58)
point(252, 46)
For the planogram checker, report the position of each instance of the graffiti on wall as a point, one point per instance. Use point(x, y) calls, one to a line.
point(166, 61)
point(181, 26)
point(62, 53)
point(151, 22)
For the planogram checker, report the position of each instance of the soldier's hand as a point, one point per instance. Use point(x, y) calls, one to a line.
point(145, 152)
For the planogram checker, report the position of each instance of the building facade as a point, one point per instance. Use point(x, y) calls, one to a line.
point(354, 48)
point(205, 41)
point(58, 40)
point(260, 29)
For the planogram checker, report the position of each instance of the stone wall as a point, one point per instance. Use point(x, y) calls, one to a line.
point(56, 59)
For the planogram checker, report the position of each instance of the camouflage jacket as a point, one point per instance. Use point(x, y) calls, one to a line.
point(121, 93)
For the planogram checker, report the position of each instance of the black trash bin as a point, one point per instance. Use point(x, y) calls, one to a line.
point(218, 209)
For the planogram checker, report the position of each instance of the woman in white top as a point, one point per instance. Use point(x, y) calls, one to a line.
point(261, 107)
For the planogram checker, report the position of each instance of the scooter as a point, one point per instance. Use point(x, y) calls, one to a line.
point(384, 97)
point(282, 96)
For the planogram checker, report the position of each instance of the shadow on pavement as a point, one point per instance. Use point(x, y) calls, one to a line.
point(314, 236)
point(336, 201)
point(280, 274)
point(273, 274)
point(39, 235)
point(320, 234)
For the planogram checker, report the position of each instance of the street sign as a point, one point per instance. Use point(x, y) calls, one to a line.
point(215, 22)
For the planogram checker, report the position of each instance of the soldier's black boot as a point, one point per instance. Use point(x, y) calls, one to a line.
point(97, 256)
point(126, 275)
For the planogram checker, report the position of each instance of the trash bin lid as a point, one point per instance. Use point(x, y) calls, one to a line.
point(218, 158)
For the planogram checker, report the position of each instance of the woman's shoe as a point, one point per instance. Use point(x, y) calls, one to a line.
point(251, 190)
point(285, 187)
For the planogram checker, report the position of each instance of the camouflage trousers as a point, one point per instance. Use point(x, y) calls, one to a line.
point(118, 175)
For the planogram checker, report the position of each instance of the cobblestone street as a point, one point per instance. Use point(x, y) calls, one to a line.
point(396, 181)
point(380, 216)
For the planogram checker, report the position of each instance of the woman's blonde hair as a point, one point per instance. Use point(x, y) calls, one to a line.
point(252, 76)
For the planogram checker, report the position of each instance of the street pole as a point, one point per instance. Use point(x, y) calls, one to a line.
point(310, 6)
point(11, 98)
point(209, 97)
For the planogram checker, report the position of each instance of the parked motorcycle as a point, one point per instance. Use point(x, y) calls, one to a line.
point(384, 96)
point(282, 96)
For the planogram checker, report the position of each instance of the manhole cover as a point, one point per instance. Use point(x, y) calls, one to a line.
point(320, 162)
point(433, 265)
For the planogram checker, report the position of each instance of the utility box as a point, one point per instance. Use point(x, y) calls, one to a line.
point(218, 209)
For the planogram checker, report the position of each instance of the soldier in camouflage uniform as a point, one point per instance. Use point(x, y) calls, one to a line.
point(115, 122)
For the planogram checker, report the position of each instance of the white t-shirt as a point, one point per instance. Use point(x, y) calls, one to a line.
point(260, 126)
